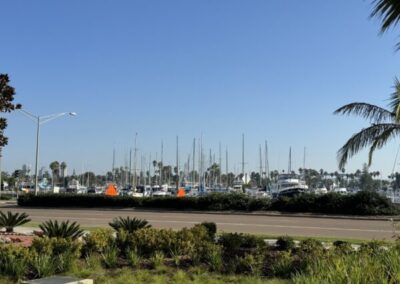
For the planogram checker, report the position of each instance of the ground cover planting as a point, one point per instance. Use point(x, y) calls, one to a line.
point(361, 203)
point(131, 249)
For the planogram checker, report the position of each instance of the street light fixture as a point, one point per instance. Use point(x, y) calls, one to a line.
point(39, 121)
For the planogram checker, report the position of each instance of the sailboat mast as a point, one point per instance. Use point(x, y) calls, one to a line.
point(290, 161)
point(113, 165)
point(193, 162)
point(130, 165)
point(220, 164)
point(161, 163)
point(266, 160)
point(134, 164)
point(226, 166)
point(177, 163)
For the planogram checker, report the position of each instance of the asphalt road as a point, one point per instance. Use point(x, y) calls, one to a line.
point(269, 225)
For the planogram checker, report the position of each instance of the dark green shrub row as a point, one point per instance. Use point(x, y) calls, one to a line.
point(361, 203)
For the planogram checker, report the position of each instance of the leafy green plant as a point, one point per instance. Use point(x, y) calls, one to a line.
point(63, 252)
point(97, 240)
point(157, 260)
point(342, 247)
point(129, 224)
point(14, 261)
point(64, 229)
point(12, 220)
point(133, 258)
point(285, 243)
point(42, 265)
point(237, 244)
point(211, 229)
point(110, 256)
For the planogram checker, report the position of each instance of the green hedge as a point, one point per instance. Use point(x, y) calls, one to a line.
point(362, 203)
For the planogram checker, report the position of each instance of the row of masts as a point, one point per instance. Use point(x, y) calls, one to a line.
point(190, 165)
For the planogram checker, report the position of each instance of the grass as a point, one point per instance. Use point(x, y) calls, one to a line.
point(173, 276)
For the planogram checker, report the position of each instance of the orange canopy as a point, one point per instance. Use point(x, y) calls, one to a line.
point(181, 192)
point(111, 190)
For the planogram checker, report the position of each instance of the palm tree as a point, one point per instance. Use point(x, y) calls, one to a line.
point(55, 170)
point(385, 125)
point(388, 11)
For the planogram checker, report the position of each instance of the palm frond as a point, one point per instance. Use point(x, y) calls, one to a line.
point(382, 139)
point(368, 111)
point(11, 220)
point(129, 225)
point(388, 11)
point(64, 229)
point(394, 101)
point(362, 139)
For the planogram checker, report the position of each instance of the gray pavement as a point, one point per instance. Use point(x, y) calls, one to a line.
point(246, 223)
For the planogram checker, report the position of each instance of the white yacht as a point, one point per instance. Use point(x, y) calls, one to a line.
point(288, 185)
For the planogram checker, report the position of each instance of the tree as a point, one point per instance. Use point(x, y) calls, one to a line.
point(388, 11)
point(365, 179)
point(55, 170)
point(6, 105)
point(385, 125)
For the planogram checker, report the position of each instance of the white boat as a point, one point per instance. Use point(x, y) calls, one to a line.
point(288, 184)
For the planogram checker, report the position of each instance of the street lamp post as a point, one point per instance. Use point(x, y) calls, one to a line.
point(39, 121)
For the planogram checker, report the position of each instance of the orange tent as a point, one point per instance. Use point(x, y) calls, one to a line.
point(111, 190)
point(181, 192)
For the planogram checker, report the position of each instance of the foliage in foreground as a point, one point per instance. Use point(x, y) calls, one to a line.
point(361, 203)
point(12, 220)
point(128, 224)
point(64, 229)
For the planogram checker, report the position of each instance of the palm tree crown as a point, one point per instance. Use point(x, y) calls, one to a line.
point(385, 125)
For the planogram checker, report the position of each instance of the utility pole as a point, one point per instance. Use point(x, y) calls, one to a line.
point(290, 161)
point(113, 166)
point(130, 166)
point(266, 160)
point(260, 167)
point(243, 158)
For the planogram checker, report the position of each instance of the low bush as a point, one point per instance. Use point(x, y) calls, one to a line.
point(211, 229)
point(97, 241)
point(285, 243)
point(361, 203)
point(14, 261)
point(238, 244)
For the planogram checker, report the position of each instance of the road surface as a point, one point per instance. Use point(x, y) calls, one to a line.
point(268, 225)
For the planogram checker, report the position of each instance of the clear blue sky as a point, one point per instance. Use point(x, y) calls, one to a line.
point(273, 70)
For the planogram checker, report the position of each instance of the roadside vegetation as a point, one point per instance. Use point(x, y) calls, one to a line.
point(135, 252)
point(361, 203)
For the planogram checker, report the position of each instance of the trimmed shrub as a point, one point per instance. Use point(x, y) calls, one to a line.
point(62, 252)
point(285, 243)
point(14, 261)
point(238, 244)
point(97, 240)
point(361, 203)
point(211, 228)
